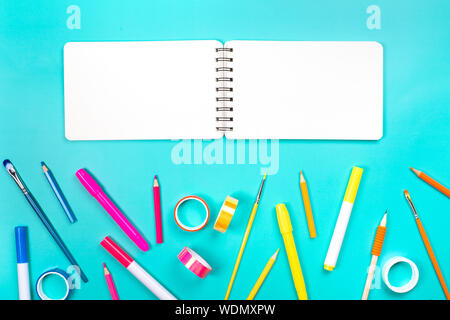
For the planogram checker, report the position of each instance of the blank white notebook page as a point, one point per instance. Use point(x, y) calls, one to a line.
point(140, 90)
point(307, 90)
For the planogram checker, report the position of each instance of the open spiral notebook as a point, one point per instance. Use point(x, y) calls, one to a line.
point(203, 90)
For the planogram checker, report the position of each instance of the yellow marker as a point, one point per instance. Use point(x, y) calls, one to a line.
point(263, 276)
point(286, 231)
point(342, 221)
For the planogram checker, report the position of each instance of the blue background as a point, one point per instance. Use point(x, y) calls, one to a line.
point(415, 37)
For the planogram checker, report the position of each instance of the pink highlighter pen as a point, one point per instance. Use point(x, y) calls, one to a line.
point(94, 189)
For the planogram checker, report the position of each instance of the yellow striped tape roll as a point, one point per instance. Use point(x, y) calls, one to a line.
point(225, 214)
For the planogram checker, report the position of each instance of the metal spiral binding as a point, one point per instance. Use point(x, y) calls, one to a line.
point(224, 89)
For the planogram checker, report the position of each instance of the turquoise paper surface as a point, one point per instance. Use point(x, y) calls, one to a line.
point(415, 37)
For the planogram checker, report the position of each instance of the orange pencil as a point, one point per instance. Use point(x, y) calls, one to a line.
point(307, 204)
point(428, 246)
point(431, 182)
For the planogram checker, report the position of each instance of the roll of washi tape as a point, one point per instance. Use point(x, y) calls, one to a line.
point(58, 272)
point(414, 276)
point(182, 225)
point(226, 214)
point(194, 262)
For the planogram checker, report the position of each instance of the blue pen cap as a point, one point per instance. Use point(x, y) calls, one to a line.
point(21, 244)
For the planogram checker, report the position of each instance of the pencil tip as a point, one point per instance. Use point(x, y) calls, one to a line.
point(415, 171)
point(265, 175)
point(276, 254)
point(302, 178)
point(384, 220)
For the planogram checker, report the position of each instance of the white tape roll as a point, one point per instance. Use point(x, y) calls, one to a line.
point(414, 276)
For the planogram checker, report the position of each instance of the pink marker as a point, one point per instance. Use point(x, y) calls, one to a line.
point(136, 270)
point(95, 190)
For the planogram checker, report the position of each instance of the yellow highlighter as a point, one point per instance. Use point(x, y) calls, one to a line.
point(286, 231)
point(343, 218)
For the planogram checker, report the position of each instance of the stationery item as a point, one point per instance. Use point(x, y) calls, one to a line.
point(321, 90)
point(284, 222)
point(307, 205)
point(376, 251)
point(343, 218)
point(44, 219)
point(432, 182)
point(194, 262)
point(181, 224)
point(244, 240)
point(59, 273)
point(23, 274)
point(157, 204)
point(225, 214)
point(94, 189)
point(428, 246)
point(110, 283)
point(263, 276)
point(407, 286)
point(136, 270)
point(59, 194)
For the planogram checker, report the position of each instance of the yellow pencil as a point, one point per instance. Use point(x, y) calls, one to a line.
point(244, 240)
point(263, 276)
point(307, 204)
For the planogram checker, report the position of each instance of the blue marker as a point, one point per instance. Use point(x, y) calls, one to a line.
point(62, 200)
point(23, 274)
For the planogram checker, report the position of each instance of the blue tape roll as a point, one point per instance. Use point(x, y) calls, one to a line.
point(59, 272)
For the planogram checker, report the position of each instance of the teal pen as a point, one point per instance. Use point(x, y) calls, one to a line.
point(59, 194)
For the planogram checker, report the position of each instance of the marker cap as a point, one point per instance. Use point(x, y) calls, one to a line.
point(353, 184)
point(116, 251)
point(88, 182)
point(21, 244)
point(283, 218)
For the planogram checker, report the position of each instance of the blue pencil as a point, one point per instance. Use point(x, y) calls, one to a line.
point(58, 192)
point(13, 173)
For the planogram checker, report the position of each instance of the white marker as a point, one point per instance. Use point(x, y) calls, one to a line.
point(136, 270)
point(22, 263)
point(343, 218)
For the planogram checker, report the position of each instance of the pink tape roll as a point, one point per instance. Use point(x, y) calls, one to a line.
point(194, 262)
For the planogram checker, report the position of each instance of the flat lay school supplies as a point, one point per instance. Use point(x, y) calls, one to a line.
point(431, 182)
point(23, 274)
point(181, 224)
point(225, 214)
point(412, 281)
point(136, 270)
point(244, 240)
point(376, 251)
point(321, 90)
point(428, 246)
point(263, 276)
point(194, 262)
point(343, 218)
point(284, 222)
point(95, 190)
point(59, 194)
point(110, 283)
point(60, 274)
point(307, 205)
point(33, 203)
point(157, 204)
